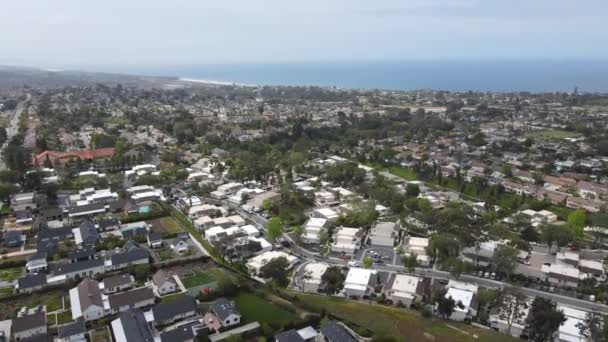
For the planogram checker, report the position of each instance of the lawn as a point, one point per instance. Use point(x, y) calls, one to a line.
point(553, 134)
point(407, 325)
point(167, 225)
point(402, 172)
point(53, 304)
point(100, 336)
point(197, 279)
point(64, 317)
point(254, 308)
point(6, 291)
point(10, 274)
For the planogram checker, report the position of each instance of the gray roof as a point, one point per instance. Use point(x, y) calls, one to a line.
point(32, 280)
point(224, 308)
point(289, 336)
point(88, 232)
point(117, 280)
point(135, 327)
point(82, 253)
point(89, 294)
point(153, 236)
point(334, 332)
point(168, 310)
point(65, 268)
point(129, 256)
point(105, 223)
point(28, 322)
point(55, 233)
point(85, 208)
point(37, 256)
point(130, 297)
point(181, 334)
point(71, 329)
point(161, 276)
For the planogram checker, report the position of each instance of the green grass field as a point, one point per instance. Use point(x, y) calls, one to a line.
point(197, 279)
point(402, 172)
point(553, 134)
point(404, 324)
point(168, 225)
point(254, 308)
point(10, 274)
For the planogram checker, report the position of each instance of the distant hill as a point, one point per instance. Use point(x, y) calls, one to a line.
point(11, 77)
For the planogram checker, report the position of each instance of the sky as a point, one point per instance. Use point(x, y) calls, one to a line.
point(179, 32)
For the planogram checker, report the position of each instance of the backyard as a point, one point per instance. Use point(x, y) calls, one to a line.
point(553, 134)
point(391, 321)
point(167, 226)
point(10, 274)
point(198, 278)
point(254, 308)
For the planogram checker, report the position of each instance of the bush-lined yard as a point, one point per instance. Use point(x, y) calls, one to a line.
point(10, 274)
point(167, 226)
point(254, 308)
point(404, 324)
point(197, 279)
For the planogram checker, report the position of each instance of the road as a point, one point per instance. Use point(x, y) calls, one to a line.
point(13, 127)
point(424, 272)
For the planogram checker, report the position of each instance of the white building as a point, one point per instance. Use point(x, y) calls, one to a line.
point(569, 331)
point(313, 272)
point(404, 288)
point(358, 280)
point(256, 263)
point(499, 322)
point(346, 240)
point(326, 213)
point(383, 234)
point(463, 294)
point(417, 246)
point(312, 229)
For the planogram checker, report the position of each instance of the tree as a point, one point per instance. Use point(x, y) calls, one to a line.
point(332, 280)
point(559, 234)
point(576, 222)
point(410, 262)
point(594, 327)
point(512, 309)
point(297, 232)
point(505, 260)
point(446, 306)
point(275, 228)
point(412, 190)
point(455, 266)
point(543, 320)
point(367, 262)
point(140, 272)
point(276, 269)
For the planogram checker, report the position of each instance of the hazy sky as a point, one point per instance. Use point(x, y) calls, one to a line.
point(106, 32)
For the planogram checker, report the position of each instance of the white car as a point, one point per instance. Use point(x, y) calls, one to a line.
point(353, 264)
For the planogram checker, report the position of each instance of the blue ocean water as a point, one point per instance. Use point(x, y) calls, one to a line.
point(523, 75)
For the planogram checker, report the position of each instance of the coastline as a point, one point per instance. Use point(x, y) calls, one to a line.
point(225, 83)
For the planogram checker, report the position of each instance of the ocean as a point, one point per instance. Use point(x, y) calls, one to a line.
point(524, 75)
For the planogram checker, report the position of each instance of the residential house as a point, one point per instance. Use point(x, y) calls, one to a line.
point(72, 332)
point(383, 234)
point(180, 245)
point(155, 240)
point(29, 325)
point(312, 230)
point(256, 263)
point(131, 325)
point(311, 279)
point(36, 263)
point(178, 309)
point(87, 302)
point(500, 318)
point(326, 213)
point(132, 299)
point(346, 240)
point(30, 283)
point(163, 283)
point(226, 312)
point(333, 331)
point(108, 224)
point(359, 282)
point(23, 201)
point(117, 283)
point(81, 269)
point(405, 289)
point(465, 296)
point(569, 331)
point(417, 246)
point(12, 238)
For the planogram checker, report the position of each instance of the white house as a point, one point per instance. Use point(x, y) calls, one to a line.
point(346, 240)
point(404, 289)
point(357, 282)
point(326, 213)
point(87, 301)
point(256, 263)
point(226, 312)
point(383, 234)
point(313, 272)
point(313, 228)
point(463, 294)
point(569, 331)
point(499, 322)
point(163, 283)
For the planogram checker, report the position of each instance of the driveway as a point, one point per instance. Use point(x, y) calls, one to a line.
point(386, 254)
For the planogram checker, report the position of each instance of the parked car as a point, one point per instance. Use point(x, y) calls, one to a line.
point(353, 263)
